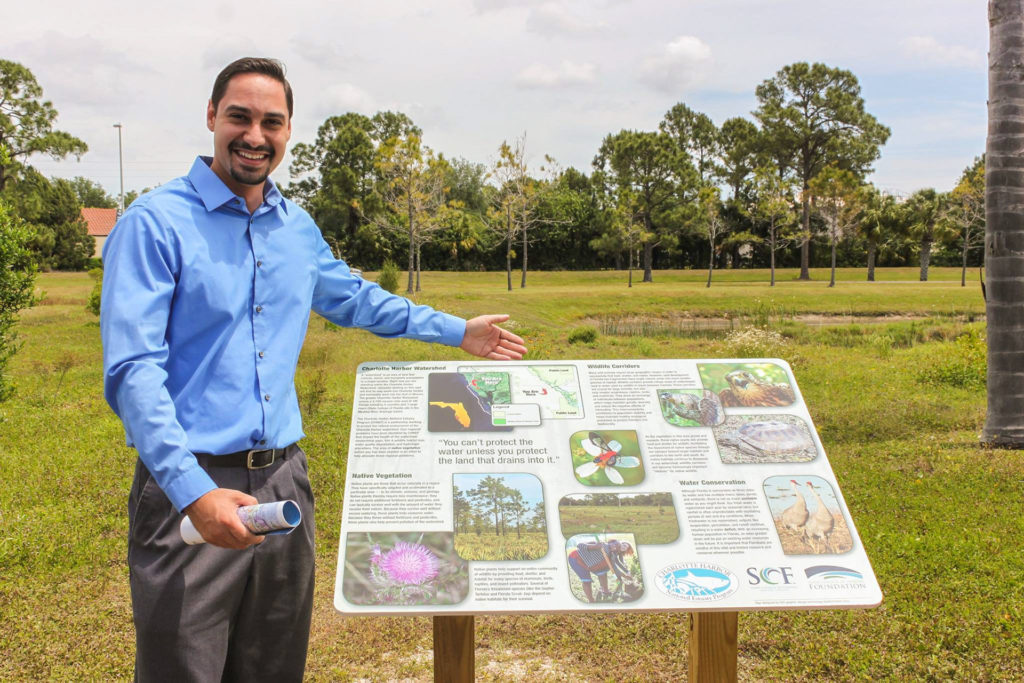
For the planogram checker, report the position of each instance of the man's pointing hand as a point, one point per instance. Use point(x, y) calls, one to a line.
point(485, 339)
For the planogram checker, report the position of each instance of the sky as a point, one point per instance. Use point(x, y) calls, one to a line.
point(474, 73)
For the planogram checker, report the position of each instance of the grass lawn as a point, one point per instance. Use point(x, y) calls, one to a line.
point(897, 404)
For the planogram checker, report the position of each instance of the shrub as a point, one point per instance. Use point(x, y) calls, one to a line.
point(97, 291)
point(966, 366)
point(583, 335)
point(17, 278)
point(388, 276)
point(755, 342)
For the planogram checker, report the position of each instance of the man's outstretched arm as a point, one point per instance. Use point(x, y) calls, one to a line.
point(485, 339)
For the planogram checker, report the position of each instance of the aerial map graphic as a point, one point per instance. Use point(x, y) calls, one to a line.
point(461, 401)
point(555, 388)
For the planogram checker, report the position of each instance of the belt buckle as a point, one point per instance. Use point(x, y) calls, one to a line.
point(248, 458)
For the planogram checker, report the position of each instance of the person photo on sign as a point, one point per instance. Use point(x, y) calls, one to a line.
point(597, 558)
point(208, 285)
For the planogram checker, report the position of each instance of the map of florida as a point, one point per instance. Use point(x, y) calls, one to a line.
point(460, 411)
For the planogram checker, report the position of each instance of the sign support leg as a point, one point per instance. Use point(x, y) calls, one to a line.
point(713, 653)
point(454, 653)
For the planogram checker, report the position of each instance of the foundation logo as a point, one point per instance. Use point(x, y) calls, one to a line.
point(832, 577)
point(697, 582)
point(770, 577)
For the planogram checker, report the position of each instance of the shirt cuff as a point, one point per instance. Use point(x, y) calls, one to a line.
point(188, 487)
point(454, 330)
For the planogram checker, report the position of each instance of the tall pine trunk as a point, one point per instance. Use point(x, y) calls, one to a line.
point(832, 277)
point(412, 250)
point(1004, 226)
point(711, 261)
point(805, 245)
point(418, 265)
point(523, 283)
point(963, 263)
point(648, 252)
point(508, 248)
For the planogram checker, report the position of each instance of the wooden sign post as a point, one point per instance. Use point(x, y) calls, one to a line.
point(713, 653)
point(713, 648)
point(454, 653)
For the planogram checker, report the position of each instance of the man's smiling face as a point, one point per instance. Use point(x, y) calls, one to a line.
point(250, 130)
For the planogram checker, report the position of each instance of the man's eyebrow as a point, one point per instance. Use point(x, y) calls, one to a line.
point(232, 108)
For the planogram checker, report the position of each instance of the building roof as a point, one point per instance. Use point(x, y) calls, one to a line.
point(100, 221)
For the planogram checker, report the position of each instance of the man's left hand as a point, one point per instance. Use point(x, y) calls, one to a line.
point(485, 339)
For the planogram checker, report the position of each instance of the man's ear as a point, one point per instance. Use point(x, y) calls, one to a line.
point(211, 114)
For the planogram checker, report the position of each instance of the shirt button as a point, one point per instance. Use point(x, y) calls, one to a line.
point(261, 354)
point(263, 442)
point(259, 309)
point(266, 397)
point(259, 264)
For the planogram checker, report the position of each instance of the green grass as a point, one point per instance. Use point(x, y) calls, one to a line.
point(942, 519)
point(650, 524)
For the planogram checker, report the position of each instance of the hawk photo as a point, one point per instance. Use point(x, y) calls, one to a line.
point(746, 390)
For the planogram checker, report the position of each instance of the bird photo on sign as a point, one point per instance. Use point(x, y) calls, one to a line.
point(609, 457)
point(808, 516)
point(752, 385)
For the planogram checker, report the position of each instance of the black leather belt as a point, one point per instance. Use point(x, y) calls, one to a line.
point(254, 459)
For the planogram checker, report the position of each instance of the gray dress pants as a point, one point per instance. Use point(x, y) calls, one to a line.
point(204, 613)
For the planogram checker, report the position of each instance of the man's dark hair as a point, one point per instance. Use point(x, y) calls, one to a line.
point(251, 65)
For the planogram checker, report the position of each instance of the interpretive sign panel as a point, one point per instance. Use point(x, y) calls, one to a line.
point(591, 485)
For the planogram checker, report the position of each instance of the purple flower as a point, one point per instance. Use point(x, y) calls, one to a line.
point(375, 554)
point(409, 563)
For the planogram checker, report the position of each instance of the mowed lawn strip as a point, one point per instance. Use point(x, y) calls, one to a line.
point(940, 517)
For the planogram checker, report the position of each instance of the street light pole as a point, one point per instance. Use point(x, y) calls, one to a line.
point(120, 157)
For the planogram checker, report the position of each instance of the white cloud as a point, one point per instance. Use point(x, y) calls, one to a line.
point(554, 19)
point(339, 98)
point(566, 74)
point(681, 64)
point(326, 54)
point(928, 49)
point(496, 5)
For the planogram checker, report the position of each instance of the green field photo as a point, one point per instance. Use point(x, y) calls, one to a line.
point(650, 517)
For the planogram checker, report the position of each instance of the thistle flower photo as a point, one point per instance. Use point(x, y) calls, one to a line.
point(406, 563)
point(413, 568)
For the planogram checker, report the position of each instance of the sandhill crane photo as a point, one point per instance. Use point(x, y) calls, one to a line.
point(807, 515)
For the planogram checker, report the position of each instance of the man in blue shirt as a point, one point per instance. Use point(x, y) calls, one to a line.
point(208, 285)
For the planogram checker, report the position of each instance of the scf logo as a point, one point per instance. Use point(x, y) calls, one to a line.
point(772, 576)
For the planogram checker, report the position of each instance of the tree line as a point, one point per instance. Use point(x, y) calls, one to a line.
point(783, 188)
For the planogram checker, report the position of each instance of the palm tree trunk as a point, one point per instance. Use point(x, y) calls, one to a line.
point(926, 257)
point(1004, 227)
point(872, 252)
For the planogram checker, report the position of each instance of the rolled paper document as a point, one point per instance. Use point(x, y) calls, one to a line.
point(266, 518)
